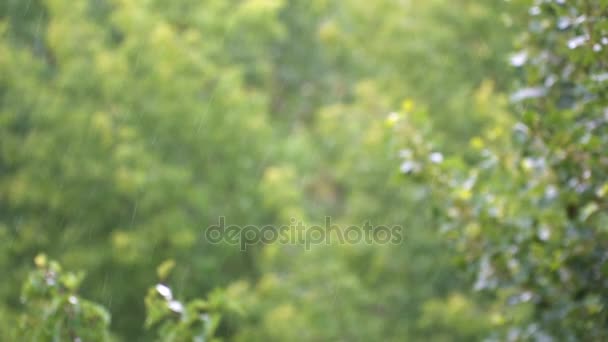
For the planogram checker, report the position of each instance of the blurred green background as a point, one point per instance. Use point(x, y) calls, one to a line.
point(129, 127)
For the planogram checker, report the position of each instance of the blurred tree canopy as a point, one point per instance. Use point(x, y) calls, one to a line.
point(128, 127)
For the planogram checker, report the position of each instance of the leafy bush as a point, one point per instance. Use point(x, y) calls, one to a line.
point(527, 202)
point(55, 311)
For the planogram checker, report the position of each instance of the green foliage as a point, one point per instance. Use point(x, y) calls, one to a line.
point(109, 165)
point(55, 312)
point(129, 127)
point(175, 320)
point(528, 208)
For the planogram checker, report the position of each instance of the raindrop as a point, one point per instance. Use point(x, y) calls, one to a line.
point(484, 277)
point(528, 93)
point(576, 42)
point(551, 192)
point(563, 23)
point(580, 20)
point(526, 296)
point(550, 81)
point(410, 167)
point(176, 306)
point(164, 291)
point(544, 233)
point(519, 59)
point(534, 11)
point(436, 157)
